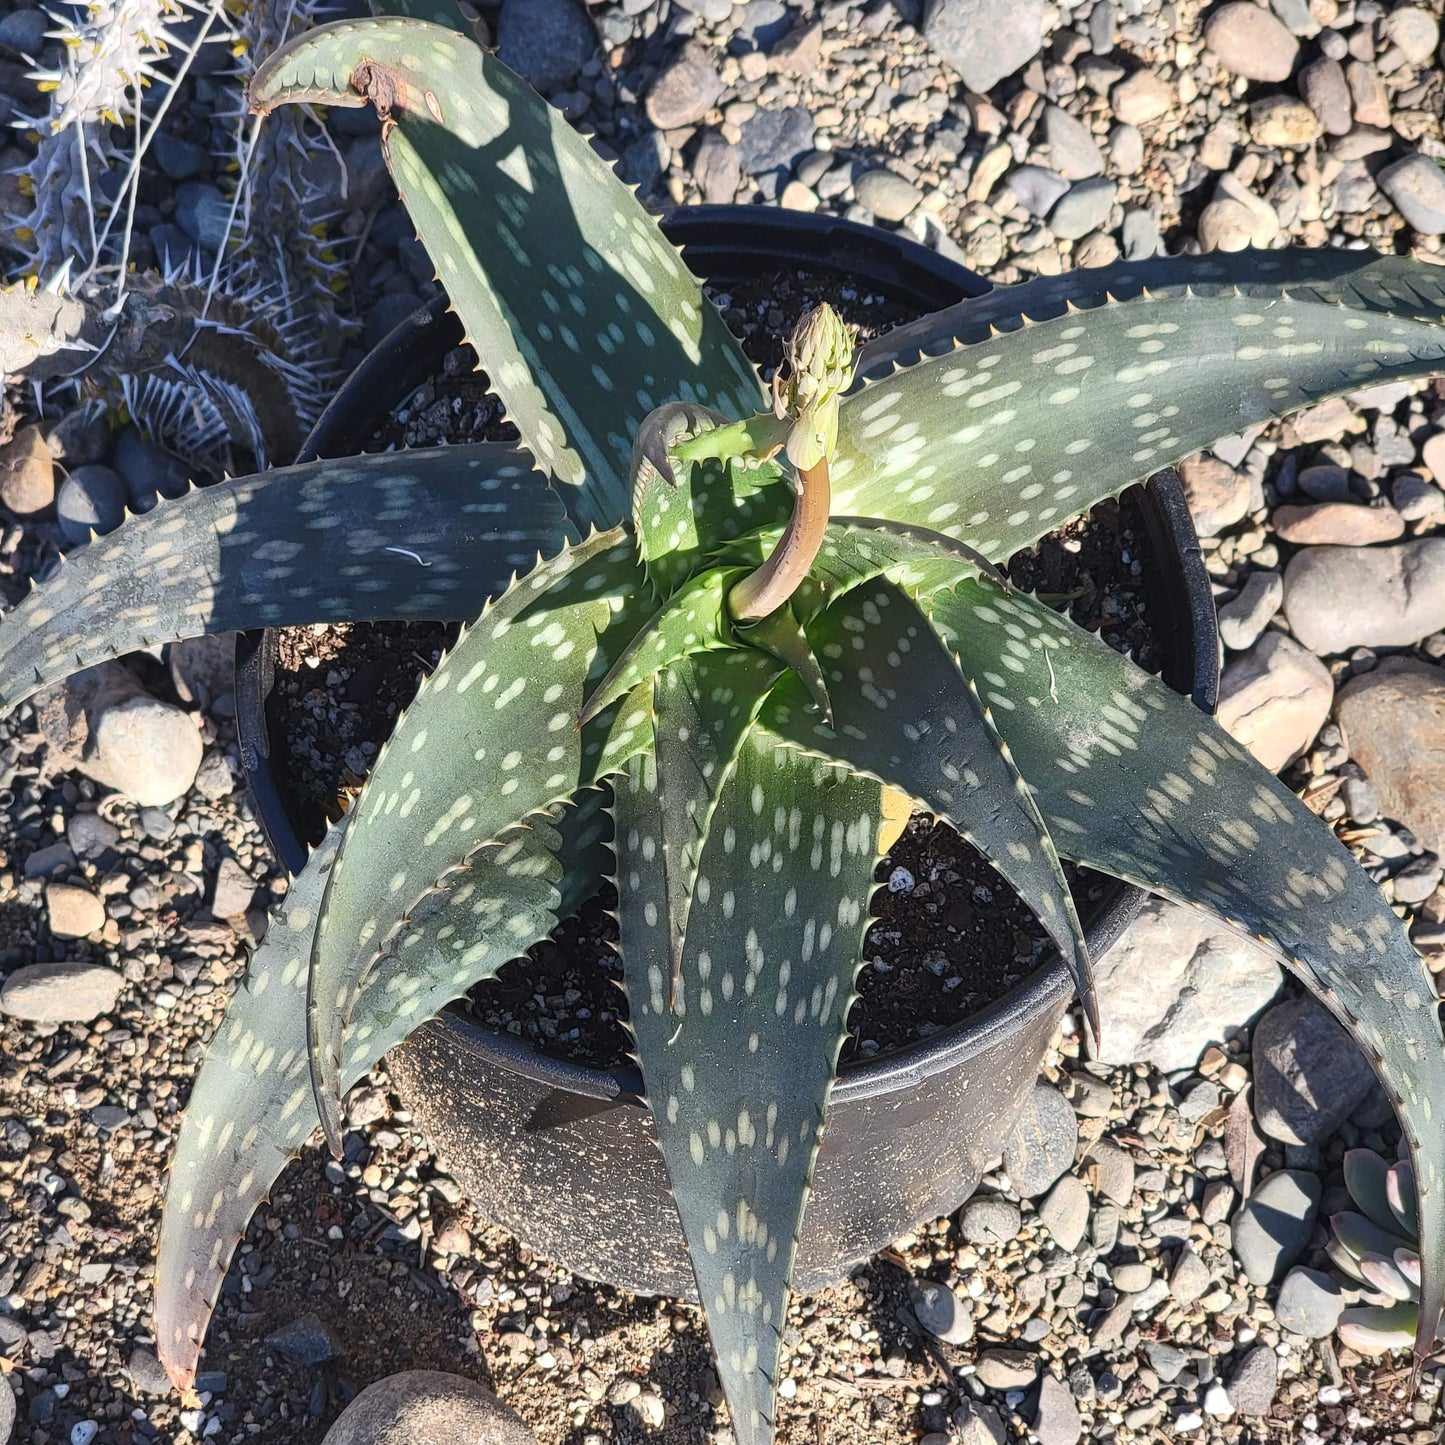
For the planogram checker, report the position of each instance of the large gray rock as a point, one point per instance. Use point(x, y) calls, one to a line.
point(1323, 86)
point(1249, 41)
point(717, 168)
point(91, 499)
point(989, 1220)
point(1243, 619)
point(1073, 151)
point(985, 40)
point(1036, 188)
point(203, 668)
point(1042, 1143)
point(1065, 1213)
point(1273, 1226)
point(546, 41)
point(1337, 598)
point(942, 1312)
point(426, 1407)
point(771, 140)
point(1274, 699)
point(27, 474)
point(103, 722)
point(60, 993)
point(685, 90)
point(1252, 1386)
point(1394, 721)
point(1415, 30)
point(1056, 1416)
point(1309, 1303)
point(1203, 983)
point(1085, 207)
point(1218, 496)
point(979, 1424)
point(1416, 185)
point(1344, 524)
point(1308, 1074)
point(887, 195)
point(73, 911)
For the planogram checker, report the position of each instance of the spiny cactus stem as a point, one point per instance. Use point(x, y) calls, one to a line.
point(240, 192)
point(132, 175)
point(84, 159)
point(132, 194)
point(769, 586)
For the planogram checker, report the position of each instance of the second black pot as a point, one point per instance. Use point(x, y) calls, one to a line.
point(561, 1155)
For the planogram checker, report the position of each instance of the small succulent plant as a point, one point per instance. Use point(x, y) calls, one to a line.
point(1377, 1245)
point(756, 617)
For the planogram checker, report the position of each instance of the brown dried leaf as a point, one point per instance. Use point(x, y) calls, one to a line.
point(1243, 1143)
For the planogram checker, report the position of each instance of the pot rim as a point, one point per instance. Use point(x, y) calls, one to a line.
point(767, 237)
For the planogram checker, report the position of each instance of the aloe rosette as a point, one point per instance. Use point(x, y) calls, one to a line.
point(621, 703)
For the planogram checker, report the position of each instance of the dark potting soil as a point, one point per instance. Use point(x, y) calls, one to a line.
point(949, 936)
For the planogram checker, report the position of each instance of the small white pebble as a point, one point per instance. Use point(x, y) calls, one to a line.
point(1216, 1402)
point(336, 1232)
point(191, 1420)
point(788, 1388)
point(900, 880)
point(84, 1432)
point(1245, 1335)
point(60, 1391)
point(546, 1360)
point(1190, 1420)
point(1329, 1395)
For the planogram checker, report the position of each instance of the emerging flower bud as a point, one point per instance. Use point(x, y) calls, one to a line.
point(817, 370)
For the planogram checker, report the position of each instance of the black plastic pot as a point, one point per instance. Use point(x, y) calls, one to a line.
point(560, 1154)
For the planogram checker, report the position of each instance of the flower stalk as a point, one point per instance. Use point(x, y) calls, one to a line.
point(806, 389)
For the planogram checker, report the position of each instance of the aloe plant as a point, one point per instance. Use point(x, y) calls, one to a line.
point(756, 618)
point(1377, 1246)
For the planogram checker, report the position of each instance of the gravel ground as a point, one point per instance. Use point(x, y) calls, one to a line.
point(1118, 1308)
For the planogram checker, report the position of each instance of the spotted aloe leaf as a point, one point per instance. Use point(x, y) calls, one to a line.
point(491, 738)
point(857, 549)
point(738, 1069)
point(906, 714)
point(1067, 392)
point(683, 513)
point(1134, 781)
point(587, 317)
point(694, 619)
point(251, 1108)
point(704, 707)
point(498, 903)
point(781, 636)
point(417, 535)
